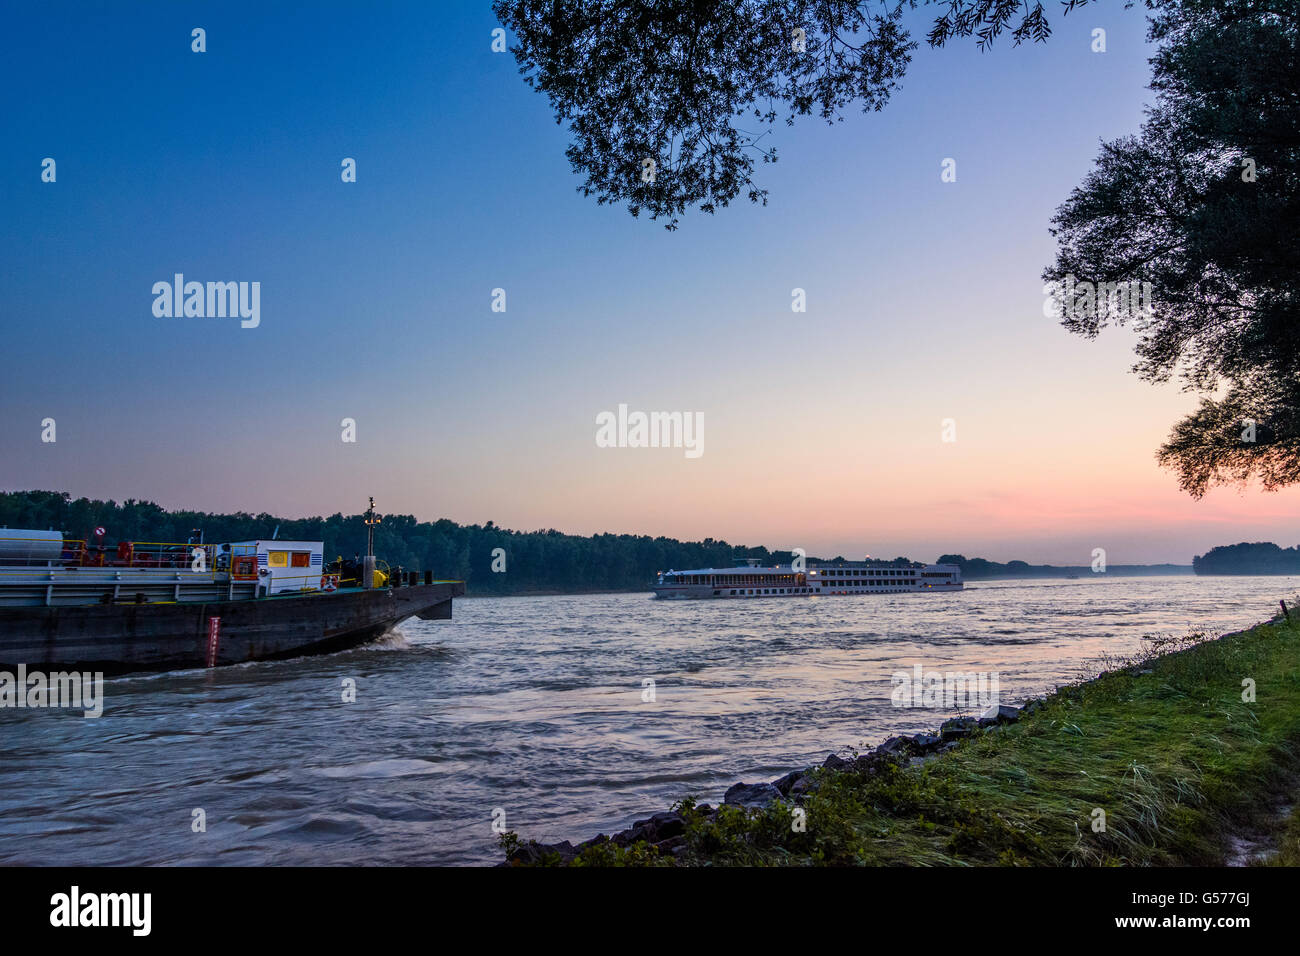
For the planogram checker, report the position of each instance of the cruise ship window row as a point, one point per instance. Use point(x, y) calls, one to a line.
point(830, 578)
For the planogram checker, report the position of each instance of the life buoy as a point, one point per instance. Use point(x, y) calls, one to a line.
point(328, 583)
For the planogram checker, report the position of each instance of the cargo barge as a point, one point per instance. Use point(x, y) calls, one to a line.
point(135, 606)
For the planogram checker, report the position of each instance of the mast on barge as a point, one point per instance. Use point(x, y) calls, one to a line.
point(368, 568)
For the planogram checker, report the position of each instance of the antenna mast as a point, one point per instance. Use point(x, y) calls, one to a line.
point(368, 566)
point(372, 519)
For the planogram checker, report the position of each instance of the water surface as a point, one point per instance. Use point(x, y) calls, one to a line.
point(533, 706)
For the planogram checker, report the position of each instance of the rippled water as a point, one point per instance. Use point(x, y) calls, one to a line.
point(533, 706)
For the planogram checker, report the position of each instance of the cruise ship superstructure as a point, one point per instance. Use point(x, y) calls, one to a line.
point(829, 578)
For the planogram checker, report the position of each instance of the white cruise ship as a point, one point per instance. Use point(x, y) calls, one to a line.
point(841, 577)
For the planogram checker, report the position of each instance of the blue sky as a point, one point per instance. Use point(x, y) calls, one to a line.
point(924, 300)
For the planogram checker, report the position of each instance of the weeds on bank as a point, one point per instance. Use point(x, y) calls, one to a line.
point(1288, 845)
point(606, 853)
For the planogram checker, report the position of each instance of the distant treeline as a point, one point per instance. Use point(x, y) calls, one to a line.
point(1261, 557)
point(534, 561)
point(975, 568)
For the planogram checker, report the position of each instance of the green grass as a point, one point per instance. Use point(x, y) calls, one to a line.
point(1287, 835)
point(1164, 745)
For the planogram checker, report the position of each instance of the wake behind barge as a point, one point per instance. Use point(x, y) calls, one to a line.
point(66, 605)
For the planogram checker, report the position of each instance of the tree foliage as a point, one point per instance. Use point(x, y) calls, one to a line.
point(987, 20)
point(1203, 204)
point(1261, 557)
point(669, 101)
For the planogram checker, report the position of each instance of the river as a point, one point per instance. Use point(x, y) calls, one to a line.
point(535, 710)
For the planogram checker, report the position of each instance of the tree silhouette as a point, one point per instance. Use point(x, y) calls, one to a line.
point(1203, 204)
point(669, 101)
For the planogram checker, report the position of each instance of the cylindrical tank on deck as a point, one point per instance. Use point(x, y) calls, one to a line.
point(20, 546)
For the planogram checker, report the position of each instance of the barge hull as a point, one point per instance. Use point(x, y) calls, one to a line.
point(154, 637)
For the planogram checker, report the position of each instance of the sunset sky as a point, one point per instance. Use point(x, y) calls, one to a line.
point(822, 430)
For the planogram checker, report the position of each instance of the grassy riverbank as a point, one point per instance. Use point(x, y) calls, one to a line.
point(1165, 746)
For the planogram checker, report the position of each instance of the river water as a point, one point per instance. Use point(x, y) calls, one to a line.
point(535, 709)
